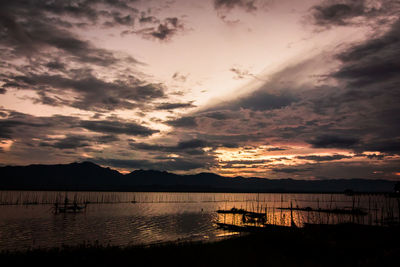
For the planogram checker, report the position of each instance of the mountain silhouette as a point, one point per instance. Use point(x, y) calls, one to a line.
point(92, 177)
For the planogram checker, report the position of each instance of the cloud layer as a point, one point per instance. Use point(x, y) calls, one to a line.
point(327, 114)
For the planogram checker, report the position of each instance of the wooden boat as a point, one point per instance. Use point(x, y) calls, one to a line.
point(69, 207)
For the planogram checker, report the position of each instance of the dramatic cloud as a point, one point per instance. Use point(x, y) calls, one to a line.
point(60, 62)
point(70, 142)
point(164, 31)
point(170, 106)
point(264, 101)
point(324, 158)
point(278, 89)
point(193, 147)
point(331, 141)
point(28, 31)
point(184, 122)
point(117, 127)
point(94, 93)
point(348, 11)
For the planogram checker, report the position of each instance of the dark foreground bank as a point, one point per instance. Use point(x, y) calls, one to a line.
point(345, 245)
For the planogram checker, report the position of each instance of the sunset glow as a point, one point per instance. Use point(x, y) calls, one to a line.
point(273, 89)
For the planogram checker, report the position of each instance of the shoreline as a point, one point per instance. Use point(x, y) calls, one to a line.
point(335, 245)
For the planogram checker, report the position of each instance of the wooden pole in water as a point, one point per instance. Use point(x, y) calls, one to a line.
point(291, 215)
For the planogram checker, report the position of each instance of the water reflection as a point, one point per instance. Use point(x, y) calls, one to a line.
point(112, 218)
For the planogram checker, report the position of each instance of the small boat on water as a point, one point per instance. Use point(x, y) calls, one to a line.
point(253, 221)
point(67, 207)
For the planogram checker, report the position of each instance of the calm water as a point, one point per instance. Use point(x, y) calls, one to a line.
point(27, 220)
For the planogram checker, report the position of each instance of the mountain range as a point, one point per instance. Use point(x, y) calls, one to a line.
point(92, 177)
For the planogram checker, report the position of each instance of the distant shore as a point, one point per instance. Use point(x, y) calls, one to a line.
point(166, 190)
point(340, 245)
point(88, 176)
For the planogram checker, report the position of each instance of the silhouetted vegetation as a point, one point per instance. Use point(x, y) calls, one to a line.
point(356, 211)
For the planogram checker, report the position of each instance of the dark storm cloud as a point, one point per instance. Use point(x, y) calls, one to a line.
point(333, 13)
point(323, 158)
point(43, 33)
point(219, 115)
point(15, 124)
point(29, 27)
point(87, 9)
point(7, 126)
point(333, 141)
point(275, 149)
point(337, 13)
point(370, 71)
point(170, 106)
point(193, 146)
point(105, 139)
point(64, 138)
point(25, 127)
point(69, 142)
point(374, 61)
point(95, 94)
point(28, 30)
point(259, 100)
point(194, 143)
point(72, 141)
point(33, 36)
point(265, 101)
point(55, 65)
point(244, 162)
point(388, 146)
point(117, 127)
point(184, 122)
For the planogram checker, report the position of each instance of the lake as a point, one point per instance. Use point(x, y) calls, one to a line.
point(27, 218)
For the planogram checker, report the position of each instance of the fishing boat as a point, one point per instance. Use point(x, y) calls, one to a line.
point(69, 207)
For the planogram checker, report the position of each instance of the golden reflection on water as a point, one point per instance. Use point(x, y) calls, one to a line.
point(127, 218)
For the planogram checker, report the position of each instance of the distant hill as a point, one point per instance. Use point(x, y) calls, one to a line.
point(89, 176)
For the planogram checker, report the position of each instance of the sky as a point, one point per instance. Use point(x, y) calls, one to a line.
point(254, 88)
